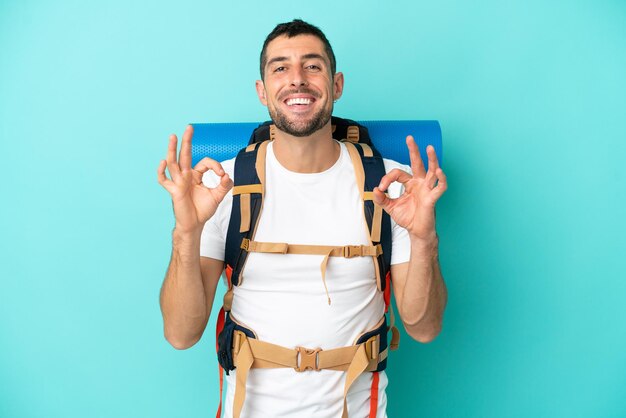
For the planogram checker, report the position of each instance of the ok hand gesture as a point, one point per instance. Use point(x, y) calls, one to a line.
point(193, 202)
point(415, 208)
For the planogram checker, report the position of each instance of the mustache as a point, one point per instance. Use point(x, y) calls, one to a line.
point(301, 90)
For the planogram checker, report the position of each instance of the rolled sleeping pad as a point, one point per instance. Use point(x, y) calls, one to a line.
point(222, 141)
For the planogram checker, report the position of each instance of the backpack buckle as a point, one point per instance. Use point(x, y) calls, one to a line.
point(307, 359)
point(350, 251)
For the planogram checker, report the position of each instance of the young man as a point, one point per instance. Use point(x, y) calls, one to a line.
point(310, 198)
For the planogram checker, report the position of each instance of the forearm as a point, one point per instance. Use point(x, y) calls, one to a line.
point(424, 293)
point(183, 300)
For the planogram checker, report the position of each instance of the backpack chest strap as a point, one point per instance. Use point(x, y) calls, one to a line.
point(345, 251)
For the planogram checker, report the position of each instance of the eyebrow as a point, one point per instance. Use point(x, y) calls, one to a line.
point(305, 56)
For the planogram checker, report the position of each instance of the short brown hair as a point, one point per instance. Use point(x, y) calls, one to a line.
point(294, 28)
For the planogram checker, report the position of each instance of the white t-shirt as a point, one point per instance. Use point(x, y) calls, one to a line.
point(282, 298)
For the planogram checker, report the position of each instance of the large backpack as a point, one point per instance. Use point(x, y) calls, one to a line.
point(246, 209)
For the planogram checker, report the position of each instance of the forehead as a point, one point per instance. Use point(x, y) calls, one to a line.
point(295, 47)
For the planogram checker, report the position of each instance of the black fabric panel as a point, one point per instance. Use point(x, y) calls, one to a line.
point(382, 331)
point(262, 132)
point(225, 343)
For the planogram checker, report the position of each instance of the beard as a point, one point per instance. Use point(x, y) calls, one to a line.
point(300, 128)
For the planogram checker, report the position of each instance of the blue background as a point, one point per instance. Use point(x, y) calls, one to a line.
point(531, 96)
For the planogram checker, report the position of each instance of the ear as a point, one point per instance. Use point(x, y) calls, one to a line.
point(337, 86)
point(260, 91)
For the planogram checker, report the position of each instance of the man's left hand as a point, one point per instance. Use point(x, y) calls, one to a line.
point(415, 208)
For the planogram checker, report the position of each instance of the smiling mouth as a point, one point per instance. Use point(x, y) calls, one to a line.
point(299, 101)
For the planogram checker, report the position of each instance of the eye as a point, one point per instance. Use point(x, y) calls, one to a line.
point(279, 69)
point(313, 67)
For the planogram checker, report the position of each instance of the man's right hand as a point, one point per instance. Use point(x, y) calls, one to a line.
point(193, 202)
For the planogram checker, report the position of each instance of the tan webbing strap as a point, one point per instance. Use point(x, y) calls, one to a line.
point(367, 150)
point(357, 367)
point(377, 218)
point(346, 251)
point(359, 173)
point(271, 356)
point(247, 189)
point(228, 300)
point(352, 134)
point(323, 271)
point(358, 168)
point(244, 363)
point(244, 207)
point(395, 334)
point(260, 161)
point(250, 353)
point(244, 203)
point(244, 200)
point(377, 223)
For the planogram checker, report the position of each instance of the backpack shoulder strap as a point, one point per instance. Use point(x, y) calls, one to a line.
point(369, 168)
point(247, 204)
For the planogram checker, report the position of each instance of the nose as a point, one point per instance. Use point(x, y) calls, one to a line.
point(298, 77)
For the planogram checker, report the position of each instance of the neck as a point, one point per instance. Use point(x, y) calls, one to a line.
point(309, 154)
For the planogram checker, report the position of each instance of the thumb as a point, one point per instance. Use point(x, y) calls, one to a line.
point(381, 199)
point(223, 187)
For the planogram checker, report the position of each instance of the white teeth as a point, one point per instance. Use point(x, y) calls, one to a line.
point(298, 100)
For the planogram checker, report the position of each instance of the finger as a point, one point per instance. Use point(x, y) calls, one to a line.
point(442, 186)
point(430, 179)
point(207, 164)
point(197, 176)
point(172, 164)
point(184, 157)
point(433, 163)
point(381, 199)
point(161, 177)
point(394, 175)
point(223, 187)
point(417, 166)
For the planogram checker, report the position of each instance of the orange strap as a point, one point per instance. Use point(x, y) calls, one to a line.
point(374, 396)
point(218, 329)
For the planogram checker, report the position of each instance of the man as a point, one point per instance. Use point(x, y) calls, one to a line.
point(310, 198)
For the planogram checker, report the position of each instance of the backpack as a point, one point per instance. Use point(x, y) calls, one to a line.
point(246, 209)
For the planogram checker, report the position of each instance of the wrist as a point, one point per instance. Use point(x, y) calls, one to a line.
point(189, 236)
point(428, 241)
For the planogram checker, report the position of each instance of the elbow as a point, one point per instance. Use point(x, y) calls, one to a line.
point(425, 337)
point(179, 342)
point(424, 333)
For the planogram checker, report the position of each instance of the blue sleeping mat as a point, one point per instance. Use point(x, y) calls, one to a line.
point(222, 141)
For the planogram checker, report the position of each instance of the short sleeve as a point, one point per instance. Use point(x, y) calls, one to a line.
point(213, 239)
